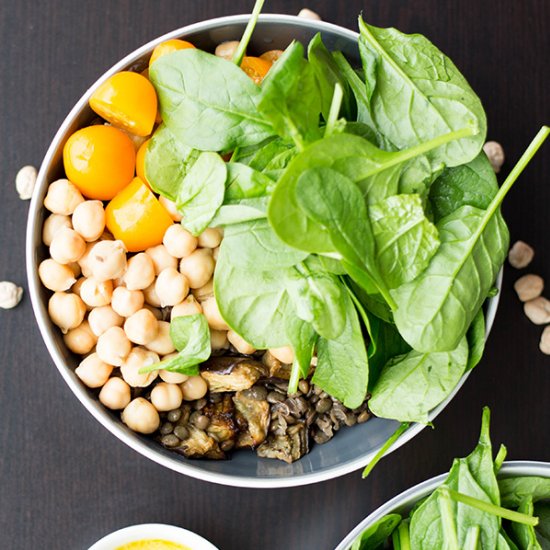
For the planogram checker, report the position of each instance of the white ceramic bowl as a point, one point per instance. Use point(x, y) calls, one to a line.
point(403, 502)
point(351, 448)
point(153, 531)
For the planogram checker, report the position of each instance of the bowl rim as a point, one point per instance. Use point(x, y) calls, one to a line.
point(144, 531)
point(40, 312)
point(413, 494)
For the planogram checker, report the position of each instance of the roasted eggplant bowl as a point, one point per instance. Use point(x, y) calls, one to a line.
point(266, 237)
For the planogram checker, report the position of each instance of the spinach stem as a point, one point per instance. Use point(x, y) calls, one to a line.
point(334, 111)
point(447, 519)
point(472, 538)
point(501, 455)
point(489, 508)
point(401, 538)
point(247, 35)
point(389, 442)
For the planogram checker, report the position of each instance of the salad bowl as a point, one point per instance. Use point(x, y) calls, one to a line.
point(351, 449)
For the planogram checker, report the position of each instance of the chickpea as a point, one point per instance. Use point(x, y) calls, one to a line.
point(162, 344)
point(216, 253)
point(227, 49)
point(96, 293)
point(194, 387)
point(218, 340)
point(189, 306)
point(115, 394)
point(308, 14)
point(141, 327)
point(213, 315)
point(101, 319)
point(62, 197)
point(77, 286)
point(84, 261)
point(93, 371)
point(178, 241)
point(113, 346)
point(204, 292)
point(81, 339)
point(136, 360)
point(126, 302)
point(75, 268)
point(66, 310)
point(239, 343)
point(171, 287)
point(521, 255)
point(140, 416)
point(56, 277)
point(53, 223)
point(284, 354)
point(151, 296)
point(108, 260)
point(161, 258)
point(140, 272)
point(171, 208)
point(211, 237)
point(198, 267)
point(89, 220)
point(155, 311)
point(166, 397)
point(169, 376)
point(67, 246)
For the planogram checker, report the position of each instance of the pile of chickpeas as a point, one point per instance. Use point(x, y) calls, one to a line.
point(110, 305)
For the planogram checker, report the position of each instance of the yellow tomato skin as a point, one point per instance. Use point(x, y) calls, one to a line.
point(168, 47)
point(255, 67)
point(100, 160)
point(140, 162)
point(136, 217)
point(127, 100)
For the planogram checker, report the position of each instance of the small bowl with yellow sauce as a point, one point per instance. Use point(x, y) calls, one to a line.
point(153, 536)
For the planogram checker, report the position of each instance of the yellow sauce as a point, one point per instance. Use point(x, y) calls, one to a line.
point(152, 545)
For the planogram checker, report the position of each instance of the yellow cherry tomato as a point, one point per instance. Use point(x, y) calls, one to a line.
point(136, 217)
point(140, 162)
point(127, 100)
point(168, 47)
point(255, 67)
point(100, 160)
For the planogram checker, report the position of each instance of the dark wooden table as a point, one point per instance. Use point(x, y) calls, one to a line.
point(64, 480)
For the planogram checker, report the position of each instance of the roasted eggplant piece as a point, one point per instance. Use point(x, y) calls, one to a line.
point(228, 373)
point(288, 447)
point(199, 444)
point(255, 412)
point(222, 425)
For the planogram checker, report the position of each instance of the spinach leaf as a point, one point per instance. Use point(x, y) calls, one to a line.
point(254, 246)
point(376, 172)
point(514, 490)
point(505, 542)
point(167, 162)
point(191, 337)
point(525, 535)
point(405, 239)
point(259, 156)
point(412, 102)
point(201, 192)
point(240, 211)
point(243, 182)
point(374, 537)
point(435, 310)
point(473, 184)
point(476, 340)
point(290, 99)
point(342, 364)
point(301, 338)
point(317, 297)
point(327, 75)
point(207, 102)
point(411, 385)
point(542, 511)
point(253, 303)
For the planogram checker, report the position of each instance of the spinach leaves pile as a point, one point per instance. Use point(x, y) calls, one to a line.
point(354, 203)
point(471, 509)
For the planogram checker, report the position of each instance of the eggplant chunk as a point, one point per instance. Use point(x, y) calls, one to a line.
point(288, 447)
point(232, 373)
point(256, 413)
point(199, 444)
point(222, 425)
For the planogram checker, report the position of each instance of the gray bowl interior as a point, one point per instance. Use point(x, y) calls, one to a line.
point(403, 503)
point(351, 448)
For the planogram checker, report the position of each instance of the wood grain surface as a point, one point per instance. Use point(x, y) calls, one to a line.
point(64, 480)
